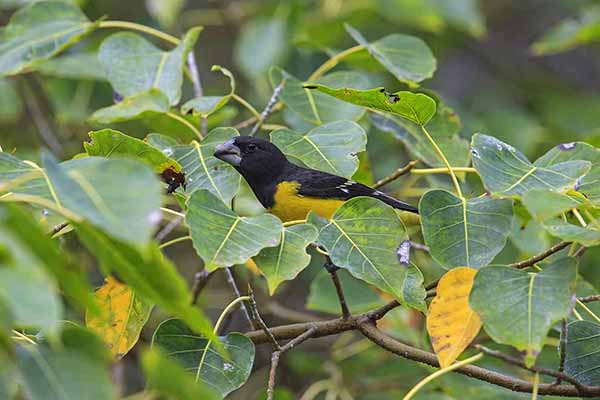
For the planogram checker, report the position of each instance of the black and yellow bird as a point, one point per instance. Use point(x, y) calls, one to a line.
point(288, 190)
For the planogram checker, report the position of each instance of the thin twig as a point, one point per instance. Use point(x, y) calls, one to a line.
point(168, 228)
point(419, 246)
point(562, 349)
point(332, 269)
point(535, 259)
point(57, 228)
point(198, 91)
point(236, 292)
point(268, 108)
point(201, 278)
point(589, 299)
point(259, 321)
point(396, 174)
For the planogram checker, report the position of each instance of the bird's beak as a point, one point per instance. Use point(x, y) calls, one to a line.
point(229, 153)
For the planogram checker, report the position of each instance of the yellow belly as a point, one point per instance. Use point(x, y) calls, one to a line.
point(290, 206)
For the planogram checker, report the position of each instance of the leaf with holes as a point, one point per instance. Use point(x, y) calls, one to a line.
point(205, 171)
point(415, 107)
point(408, 58)
point(284, 262)
point(134, 65)
point(518, 308)
point(138, 106)
point(109, 143)
point(119, 196)
point(464, 233)
point(233, 239)
point(206, 105)
point(330, 147)
point(582, 356)
point(121, 319)
point(589, 184)
point(362, 237)
point(318, 108)
point(505, 171)
point(451, 323)
point(199, 355)
point(40, 31)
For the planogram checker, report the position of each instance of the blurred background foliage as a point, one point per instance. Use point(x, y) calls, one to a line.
point(525, 71)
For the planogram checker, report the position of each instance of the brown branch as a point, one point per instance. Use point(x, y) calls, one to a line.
point(201, 278)
point(562, 349)
point(332, 269)
point(396, 174)
point(236, 292)
point(259, 321)
point(589, 299)
point(253, 119)
point(521, 364)
point(534, 260)
point(268, 108)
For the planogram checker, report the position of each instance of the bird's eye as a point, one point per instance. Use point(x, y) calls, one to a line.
point(251, 147)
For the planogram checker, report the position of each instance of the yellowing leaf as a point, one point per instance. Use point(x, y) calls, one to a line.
point(451, 323)
point(121, 319)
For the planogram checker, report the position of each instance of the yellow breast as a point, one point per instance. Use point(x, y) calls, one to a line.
point(290, 206)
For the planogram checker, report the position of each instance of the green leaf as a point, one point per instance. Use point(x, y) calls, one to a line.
point(261, 43)
point(331, 147)
point(161, 142)
point(443, 127)
point(147, 272)
point(408, 58)
point(198, 355)
point(12, 168)
point(206, 105)
point(11, 105)
point(362, 237)
point(582, 357)
point(40, 31)
point(286, 261)
point(221, 237)
point(84, 66)
point(506, 171)
point(316, 108)
point(544, 204)
point(322, 295)
point(110, 143)
point(416, 107)
point(570, 33)
point(134, 65)
point(466, 233)
point(518, 308)
point(119, 196)
point(587, 236)
point(139, 106)
point(203, 170)
point(589, 183)
point(170, 379)
point(68, 373)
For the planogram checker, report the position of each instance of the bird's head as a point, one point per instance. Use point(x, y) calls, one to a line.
point(253, 157)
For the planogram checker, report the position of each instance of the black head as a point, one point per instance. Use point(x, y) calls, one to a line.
point(256, 159)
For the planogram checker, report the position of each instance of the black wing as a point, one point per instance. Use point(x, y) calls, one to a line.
point(321, 184)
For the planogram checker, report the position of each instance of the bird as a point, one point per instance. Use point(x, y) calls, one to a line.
point(290, 191)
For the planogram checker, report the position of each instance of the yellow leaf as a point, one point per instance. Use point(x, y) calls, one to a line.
point(121, 318)
point(451, 323)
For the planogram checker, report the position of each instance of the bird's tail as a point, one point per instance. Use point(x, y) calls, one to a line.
point(397, 204)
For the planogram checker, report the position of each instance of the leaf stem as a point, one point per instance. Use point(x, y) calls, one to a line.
point(185, 122)
point(246, 105)
point(294, 222)
point(588, 311)
point(426, 171)
point(445, 160)
point(440, 372)
point(40, 201)
point(333, 61)
point(227, 309)
point(140, 28)
point(176, 240)
point(172, 212)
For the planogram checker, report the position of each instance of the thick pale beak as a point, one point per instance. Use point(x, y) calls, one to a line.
point(229, 153)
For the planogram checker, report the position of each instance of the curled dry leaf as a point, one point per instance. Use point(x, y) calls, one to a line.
point(451, 323)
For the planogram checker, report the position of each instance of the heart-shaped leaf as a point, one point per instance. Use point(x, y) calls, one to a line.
point(518, 308)
point(109, 143)
point(362, 237)
point(284, 262)
point(203, 170)
point(588, 184)
point(506, 171)
point(134, 65)
point(138, 106)
point(317, 108)
point(464, 232)
point(120, 196)
point(206, 105)
point(40, 31)
point(330, 147)
point(408, 58)
point(121, 319)
point(199, 355)
point(415, 107)
point(84, 66)
point(582, 357)
point(451, 323)
point(232, 239)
